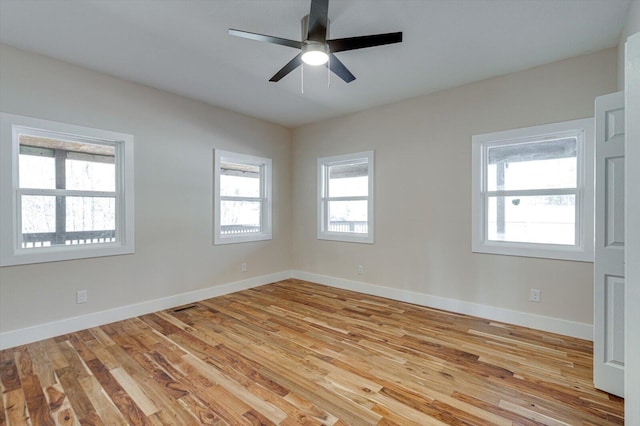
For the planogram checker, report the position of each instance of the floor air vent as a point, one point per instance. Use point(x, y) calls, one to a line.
point(184, 308)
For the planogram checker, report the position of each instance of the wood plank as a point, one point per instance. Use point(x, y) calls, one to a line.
point(8, 371)
point(41, 365)
point(101, 337)
point(133, 390)
point(77, 397)
point(311, 413)
point(66, 417)
point(225, 405)
point(36, 401)
point(3, 416)
point(118, 395)
point(15, 406)
point(106, 409)
point(60, 407)
point(54, 354)
point(200, 411)
point(155, 383)
point(266, 409)
point(23, 361)
point(74, 360)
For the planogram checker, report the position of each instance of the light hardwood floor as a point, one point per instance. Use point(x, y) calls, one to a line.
point(299, 353)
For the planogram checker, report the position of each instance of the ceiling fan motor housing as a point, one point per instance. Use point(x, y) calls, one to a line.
point(314, 52)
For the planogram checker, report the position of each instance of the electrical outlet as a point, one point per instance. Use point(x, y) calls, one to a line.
point(243, 267)
point(82, 296)
point(360, 269)
point(535, 295)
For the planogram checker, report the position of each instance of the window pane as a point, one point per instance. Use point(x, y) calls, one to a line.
point(90, 214)
point(36, 171)
point(546, 219)
point(349, 187)
point(239, 217)
point(84, 175)
point(237, 186)
point(239, 180)
point(533, 165)
point(38, 214)
point(348, 216)
point(348, 180)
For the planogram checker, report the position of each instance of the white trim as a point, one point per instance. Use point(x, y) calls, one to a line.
point(35, 333)
point(538, 322)
point(266, 199)
point(583, 250)
point(323, 199)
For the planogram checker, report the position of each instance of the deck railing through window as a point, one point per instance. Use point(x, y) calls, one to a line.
point(359, 227)
point(238, 229)
point(47, 239)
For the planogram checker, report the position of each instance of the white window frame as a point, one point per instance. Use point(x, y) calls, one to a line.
point(583, 249)
point(11, 252)
point(323, 199)
point(265, 165)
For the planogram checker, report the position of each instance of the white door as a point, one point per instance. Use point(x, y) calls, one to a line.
point(632, 249)
point(608, 357)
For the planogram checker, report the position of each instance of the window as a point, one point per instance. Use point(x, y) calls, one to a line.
point(242, 199)
point(345, 198)
point(533, 191)
point(67, 191)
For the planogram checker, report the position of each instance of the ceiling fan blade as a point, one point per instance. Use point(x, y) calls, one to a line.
point(291, 65)
point(318, 17)
point(267, 38)
point(352, 43)
point(340, 70)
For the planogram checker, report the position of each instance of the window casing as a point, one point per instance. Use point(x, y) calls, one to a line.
point(345, 197)
point(242, 198)
point(533, 191)
point(67, 192)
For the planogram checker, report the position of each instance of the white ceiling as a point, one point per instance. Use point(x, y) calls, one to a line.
point(182, 46)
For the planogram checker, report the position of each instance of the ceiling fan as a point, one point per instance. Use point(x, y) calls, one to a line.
point(315, 48)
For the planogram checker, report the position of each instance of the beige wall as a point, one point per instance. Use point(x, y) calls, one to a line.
point(174, 142)
point(423, 190)
point(423, 204)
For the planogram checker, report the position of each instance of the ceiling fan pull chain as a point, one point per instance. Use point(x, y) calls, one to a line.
point(329, 72)
point(302, 78)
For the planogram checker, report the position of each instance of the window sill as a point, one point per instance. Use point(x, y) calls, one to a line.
point(235, 239)
point(542, 251)
point(347, 238)
point(57, 254)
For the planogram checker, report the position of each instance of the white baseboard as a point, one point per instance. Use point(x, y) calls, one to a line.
point(26, 335)
point(538, 322)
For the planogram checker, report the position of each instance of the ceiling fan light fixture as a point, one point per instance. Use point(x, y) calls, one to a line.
point(315, 53)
